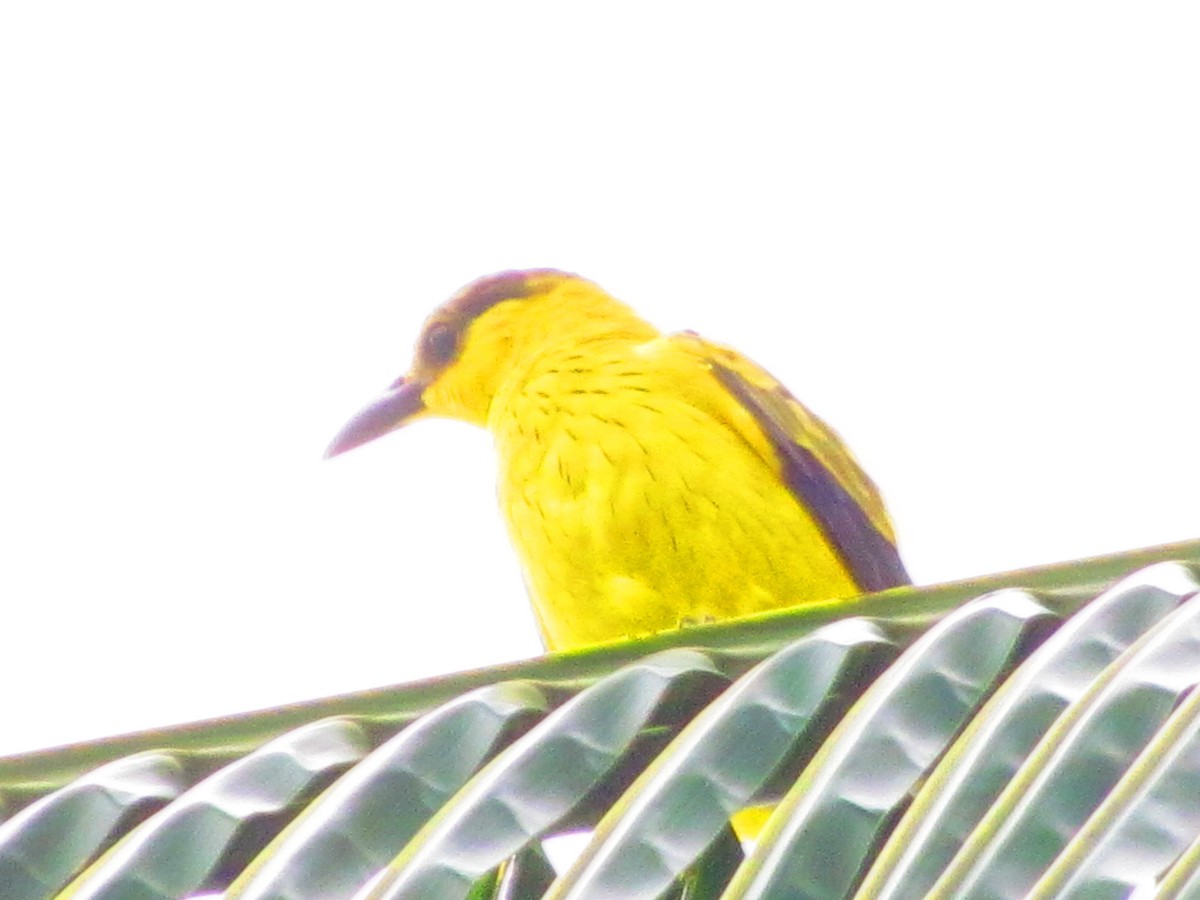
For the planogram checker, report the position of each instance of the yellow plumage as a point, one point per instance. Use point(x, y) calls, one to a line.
point(648, 480)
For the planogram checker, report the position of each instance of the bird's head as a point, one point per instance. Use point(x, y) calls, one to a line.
point(484, 335)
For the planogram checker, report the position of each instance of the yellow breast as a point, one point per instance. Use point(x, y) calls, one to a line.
point(636, 507)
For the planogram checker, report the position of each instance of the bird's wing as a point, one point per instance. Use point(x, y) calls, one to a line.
point(816, 465)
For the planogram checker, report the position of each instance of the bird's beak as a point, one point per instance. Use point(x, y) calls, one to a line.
point(395, 408)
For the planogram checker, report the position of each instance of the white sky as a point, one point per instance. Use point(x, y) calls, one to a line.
point(967, 236)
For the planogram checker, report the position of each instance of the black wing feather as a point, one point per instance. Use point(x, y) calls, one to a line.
point(871, 558)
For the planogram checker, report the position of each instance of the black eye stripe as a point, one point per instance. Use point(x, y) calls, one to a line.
point(439, 344)
point(441, 341)
point(480, 296)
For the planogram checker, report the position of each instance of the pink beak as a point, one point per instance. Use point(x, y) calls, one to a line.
point(391, 411)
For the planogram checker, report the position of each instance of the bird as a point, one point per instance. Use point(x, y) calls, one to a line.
point(649, 481)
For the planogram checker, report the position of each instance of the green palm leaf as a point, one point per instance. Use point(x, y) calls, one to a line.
point(961, 740)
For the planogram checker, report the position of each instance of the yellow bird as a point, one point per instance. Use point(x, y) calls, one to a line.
point(648, 480)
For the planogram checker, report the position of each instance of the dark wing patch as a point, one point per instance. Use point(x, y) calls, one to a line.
point(871, 558)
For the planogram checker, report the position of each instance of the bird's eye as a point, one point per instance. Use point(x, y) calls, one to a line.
point(439, 344)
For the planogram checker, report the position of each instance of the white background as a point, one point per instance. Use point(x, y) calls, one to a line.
point(966, 234)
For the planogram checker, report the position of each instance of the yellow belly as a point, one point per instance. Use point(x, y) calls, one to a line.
point(636, 512)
